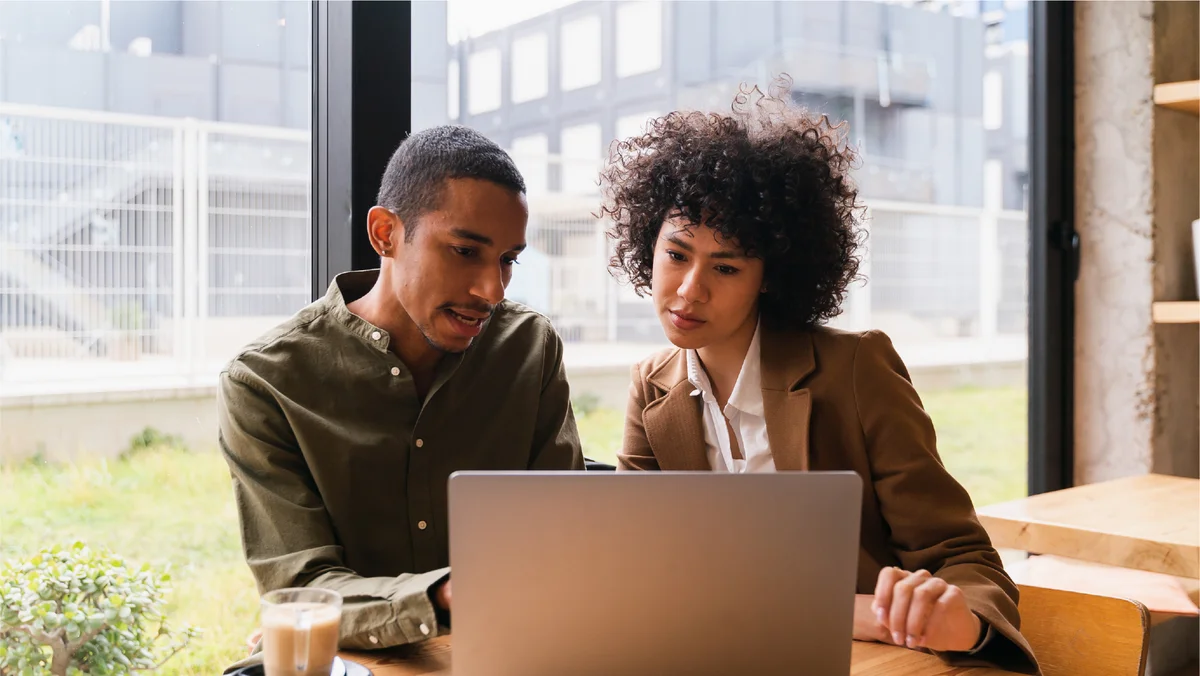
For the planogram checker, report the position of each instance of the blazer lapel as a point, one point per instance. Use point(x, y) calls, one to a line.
point(675, 423)
point(787, 359)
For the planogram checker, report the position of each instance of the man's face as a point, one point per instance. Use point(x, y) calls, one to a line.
point(450, 275)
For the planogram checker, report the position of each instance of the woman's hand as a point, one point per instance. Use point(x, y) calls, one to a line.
point(867, 626)
point(918, 610)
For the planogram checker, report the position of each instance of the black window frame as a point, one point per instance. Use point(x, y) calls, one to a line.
point(1054, 246)
point(362, 83)
point(362, 97)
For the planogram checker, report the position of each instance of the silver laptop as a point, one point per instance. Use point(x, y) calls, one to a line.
point(656, 573)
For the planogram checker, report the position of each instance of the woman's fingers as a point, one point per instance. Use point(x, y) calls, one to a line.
point(923, 605)
point(902, 594)
point(888, 577)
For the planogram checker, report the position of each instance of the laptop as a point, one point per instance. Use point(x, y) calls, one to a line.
point(653, 573)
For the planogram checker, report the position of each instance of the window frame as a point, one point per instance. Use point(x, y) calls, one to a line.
point(362, 110)
point(1054, 246)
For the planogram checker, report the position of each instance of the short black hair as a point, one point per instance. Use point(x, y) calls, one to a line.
point(423, 162)
point(769, 176)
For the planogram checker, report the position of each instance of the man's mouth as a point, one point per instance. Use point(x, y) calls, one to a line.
point(468, 319)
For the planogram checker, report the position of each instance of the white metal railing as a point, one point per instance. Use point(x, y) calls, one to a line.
point(138, 250)
point(141, 245)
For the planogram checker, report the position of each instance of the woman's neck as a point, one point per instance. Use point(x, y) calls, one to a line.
point(723, 361)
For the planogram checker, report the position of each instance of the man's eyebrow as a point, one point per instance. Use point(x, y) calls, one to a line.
point(473, 236)
point(483, 239)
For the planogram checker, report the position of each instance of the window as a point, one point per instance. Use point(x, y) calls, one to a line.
point(155, 220)
point(580, 158)
point(531, 154)
point(639, 32)
point(530, 68)
point(993, 100)
point(452, 89)
point(993, 185)
point(633, 125)
point(580, 48)
point(944, 158)
point(483, 81)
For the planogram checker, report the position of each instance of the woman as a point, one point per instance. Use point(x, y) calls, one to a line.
point(744, 229)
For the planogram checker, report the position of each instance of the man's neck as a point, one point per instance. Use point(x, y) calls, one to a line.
point(381, 309)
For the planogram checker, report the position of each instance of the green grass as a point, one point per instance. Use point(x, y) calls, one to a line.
point(170, 506)
point(983, 440)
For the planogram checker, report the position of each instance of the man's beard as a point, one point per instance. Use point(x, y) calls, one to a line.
point(437, 346)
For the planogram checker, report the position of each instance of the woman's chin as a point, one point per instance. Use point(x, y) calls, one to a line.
point(687, 340)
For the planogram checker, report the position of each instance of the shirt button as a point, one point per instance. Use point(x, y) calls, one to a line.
point(395, 370)
point(420, 443)
point(424, 629)
point(422, 525)
point(375, 335)
point(373, 640)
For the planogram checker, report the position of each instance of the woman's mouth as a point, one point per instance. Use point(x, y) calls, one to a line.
point(684, 321)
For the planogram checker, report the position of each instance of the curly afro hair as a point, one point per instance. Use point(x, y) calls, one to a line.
point(769, 177)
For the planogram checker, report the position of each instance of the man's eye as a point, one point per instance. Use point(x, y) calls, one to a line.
point(464, 251)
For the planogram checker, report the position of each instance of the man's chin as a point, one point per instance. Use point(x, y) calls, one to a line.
point(448, 345)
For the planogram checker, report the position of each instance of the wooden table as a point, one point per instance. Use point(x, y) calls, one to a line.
point(1149, 522)
point(432, 658)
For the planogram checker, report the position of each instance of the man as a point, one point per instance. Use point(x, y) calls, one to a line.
point(342, 425)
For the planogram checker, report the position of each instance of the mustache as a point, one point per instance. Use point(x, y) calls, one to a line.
point(480, 308)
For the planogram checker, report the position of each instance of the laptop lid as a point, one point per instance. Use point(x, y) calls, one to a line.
point(653, 573)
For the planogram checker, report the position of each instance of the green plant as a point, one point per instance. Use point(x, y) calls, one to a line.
point(149, 438)
point(584, 403)
point(71, 611)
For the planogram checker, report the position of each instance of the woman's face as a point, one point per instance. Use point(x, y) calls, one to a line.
point(705, 288)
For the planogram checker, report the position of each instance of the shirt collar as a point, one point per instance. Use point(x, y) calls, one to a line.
point(747, 391)
point(355, 285)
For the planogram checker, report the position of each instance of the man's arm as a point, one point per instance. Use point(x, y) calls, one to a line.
point(287, 536)
point(556, 439)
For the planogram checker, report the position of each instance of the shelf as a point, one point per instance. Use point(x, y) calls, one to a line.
point(1177, 312)
point(1183, 96)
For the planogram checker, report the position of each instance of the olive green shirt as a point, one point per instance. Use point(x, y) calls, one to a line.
point(339, 468)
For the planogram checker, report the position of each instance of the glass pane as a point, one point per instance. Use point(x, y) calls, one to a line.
point(639, 32)
point(579, 45)
point(530, 68)
point(154, 219)
point(935, 96)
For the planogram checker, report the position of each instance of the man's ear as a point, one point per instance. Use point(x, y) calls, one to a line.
point(383, 229)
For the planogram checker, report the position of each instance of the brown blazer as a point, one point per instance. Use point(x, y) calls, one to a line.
point(844, 401)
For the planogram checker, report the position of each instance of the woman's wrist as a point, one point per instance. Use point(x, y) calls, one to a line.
point(866, 625)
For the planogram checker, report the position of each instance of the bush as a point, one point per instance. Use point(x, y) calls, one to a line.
point(70, 611)
point(585, 403)
point(150, 438)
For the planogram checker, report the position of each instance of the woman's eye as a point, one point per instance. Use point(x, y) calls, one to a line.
point(726, 270)
point(675, 256)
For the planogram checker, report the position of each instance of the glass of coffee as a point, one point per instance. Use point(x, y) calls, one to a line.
point(300, 631)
